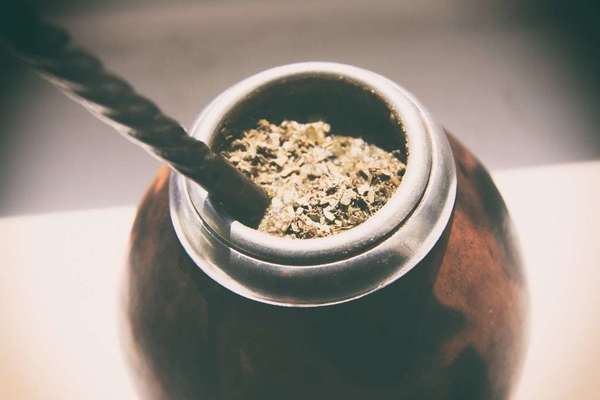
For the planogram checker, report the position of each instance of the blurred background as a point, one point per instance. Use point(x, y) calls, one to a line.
point(517, 81)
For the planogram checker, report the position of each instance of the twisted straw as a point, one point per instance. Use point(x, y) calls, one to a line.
point(48, 50)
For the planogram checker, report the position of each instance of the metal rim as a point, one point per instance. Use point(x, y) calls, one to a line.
point(324, 282)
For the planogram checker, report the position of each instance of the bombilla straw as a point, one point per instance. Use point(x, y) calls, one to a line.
point(48, 50)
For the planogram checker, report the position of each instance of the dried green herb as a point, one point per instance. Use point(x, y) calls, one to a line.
point(320, 184)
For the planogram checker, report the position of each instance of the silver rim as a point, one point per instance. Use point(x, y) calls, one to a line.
point(341, 267)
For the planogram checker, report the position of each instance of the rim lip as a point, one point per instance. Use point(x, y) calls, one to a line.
point(342, 245)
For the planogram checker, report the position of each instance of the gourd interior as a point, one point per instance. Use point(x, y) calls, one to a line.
point(349, 108)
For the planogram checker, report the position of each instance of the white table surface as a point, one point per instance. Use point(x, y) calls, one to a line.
point(61, 279)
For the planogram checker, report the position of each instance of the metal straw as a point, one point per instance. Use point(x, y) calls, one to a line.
point(48, 49)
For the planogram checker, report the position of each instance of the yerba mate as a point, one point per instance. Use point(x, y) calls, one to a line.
point(319, 183)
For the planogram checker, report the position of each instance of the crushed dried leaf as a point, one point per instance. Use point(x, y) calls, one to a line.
point(320, 183)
